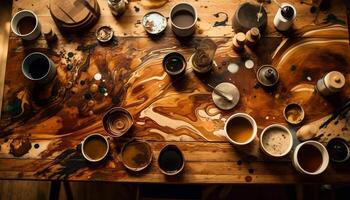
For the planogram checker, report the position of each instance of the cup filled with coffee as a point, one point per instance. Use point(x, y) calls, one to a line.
point(276, 140)
point(183, 19)
point(38, 67)
point(171, 160)
point(95, 147)
point(310, 157)
point(136, 155)
point(174, 64)
point(25, 24)
point(240, 129)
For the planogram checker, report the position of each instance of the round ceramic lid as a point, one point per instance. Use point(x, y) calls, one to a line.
point(227, 89)
point(335, 80)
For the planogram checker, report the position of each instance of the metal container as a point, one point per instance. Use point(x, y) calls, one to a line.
point(267, 75)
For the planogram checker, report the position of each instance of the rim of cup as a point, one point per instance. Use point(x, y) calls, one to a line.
point(27, 57)
point(194, 12)
point(14, 29)
point(323, 151)
point(182, 155)
point(252, 122)
point(290, 139)
point(94, 135)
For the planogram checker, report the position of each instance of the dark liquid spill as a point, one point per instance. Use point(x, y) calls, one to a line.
point(174, 64)
point(310, 158)
point(26, 25)
point(95, 147)
point(183, 18)
point(170, 160)
point(39, 68)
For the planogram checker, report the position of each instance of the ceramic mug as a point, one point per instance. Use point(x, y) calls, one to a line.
point(290, 139)
point(38, 67)
point(183, 31)
point(322, 150)
point(166, 157)
point(86, 154)
point(33, 33)
point(252, 122)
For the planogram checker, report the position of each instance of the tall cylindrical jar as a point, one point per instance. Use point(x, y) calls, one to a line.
point(285, 17)
point(331, 83)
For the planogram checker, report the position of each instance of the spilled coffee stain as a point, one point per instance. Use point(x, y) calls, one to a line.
point(223, 22)
point(87, 47)
point(68, 162)
point(248, 179)
point(333, 19)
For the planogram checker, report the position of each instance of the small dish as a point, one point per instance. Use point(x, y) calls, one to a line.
point(293, 113)
point(154, 23)
point(104, 34)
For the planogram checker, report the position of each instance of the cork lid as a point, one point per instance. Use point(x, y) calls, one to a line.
point(240, 38)
point(255, 33)
point(335, 80)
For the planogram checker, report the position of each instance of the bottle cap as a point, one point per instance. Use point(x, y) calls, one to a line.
point(267, 75)
point(240, 38)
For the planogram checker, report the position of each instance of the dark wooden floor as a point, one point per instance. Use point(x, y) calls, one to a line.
point(40, 190)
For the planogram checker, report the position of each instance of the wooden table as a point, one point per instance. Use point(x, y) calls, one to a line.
point(55, 118)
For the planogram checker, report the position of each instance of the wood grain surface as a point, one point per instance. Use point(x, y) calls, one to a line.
point(55, 118)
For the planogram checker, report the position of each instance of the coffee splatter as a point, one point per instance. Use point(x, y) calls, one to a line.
point(248, 179)
point(223, 22)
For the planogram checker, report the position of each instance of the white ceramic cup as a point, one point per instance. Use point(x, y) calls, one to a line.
point(323, 151)
point(35, 33)
point(252, 122)
point(280, 127)
point(83, 143)
point(27, 64)
point(183, 31)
